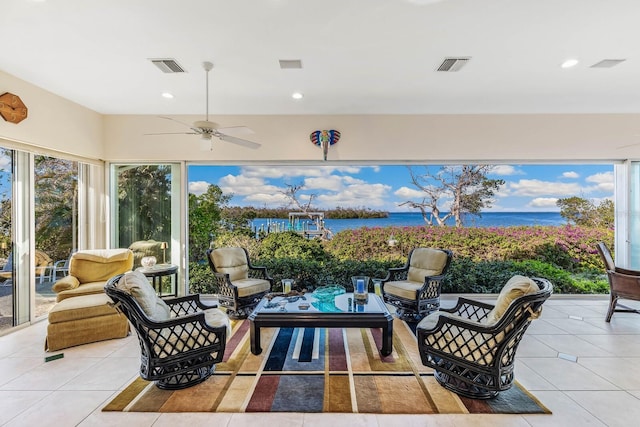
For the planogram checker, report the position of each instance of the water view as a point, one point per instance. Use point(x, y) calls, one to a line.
point(412, 219)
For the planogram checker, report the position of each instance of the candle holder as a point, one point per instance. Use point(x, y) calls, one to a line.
point(360, 289)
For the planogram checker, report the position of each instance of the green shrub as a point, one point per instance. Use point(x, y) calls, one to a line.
point(201, 279)
point(291, 245)
point(484, 258)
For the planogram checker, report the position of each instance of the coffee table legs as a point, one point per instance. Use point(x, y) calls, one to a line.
point(254, 338)
point(387, 339)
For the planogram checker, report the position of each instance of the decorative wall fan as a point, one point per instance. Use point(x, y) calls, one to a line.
point(207, 129)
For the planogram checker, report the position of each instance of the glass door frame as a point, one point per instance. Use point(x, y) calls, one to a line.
point(177, 247)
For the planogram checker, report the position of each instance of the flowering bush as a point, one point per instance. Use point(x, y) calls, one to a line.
point(570, 247)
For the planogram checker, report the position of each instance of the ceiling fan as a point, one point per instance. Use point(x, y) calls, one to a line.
point(207, 129)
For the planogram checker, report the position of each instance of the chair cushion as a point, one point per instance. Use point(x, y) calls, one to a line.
point(426, 262)
point(516, 287)
point(100, 264)
point(137, 285)
point(251, 286)
point(82, 307)
point(215, 317)
point(231, 261)
point(403, 289)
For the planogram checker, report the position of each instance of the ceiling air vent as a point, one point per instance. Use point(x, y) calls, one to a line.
point(168, 65)
point(290, 63)
point(607, 63)
point(453, 64)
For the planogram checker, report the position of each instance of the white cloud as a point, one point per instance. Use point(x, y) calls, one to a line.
point(198, 187)
point(505, 170)
point(241, 185)
point(331, 183)
point(356, 195)
point(535, 187)
point(543, 202)
point(5, 163)
point(571, 174)
point(604, 181)
point(408, 193)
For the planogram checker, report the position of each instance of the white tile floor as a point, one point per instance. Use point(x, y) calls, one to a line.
point(600, 388)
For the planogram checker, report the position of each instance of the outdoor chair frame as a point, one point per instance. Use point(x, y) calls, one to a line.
point(473, 359)
point(427, 298)
point(623, 283)
point(239, 307)
point(175, 353)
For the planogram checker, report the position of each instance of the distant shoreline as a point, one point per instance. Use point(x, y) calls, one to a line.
point(414, 219)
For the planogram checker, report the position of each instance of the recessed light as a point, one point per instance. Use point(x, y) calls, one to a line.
point(297, 95)
point(167, 95)
point(569, 63)
point(290, 63)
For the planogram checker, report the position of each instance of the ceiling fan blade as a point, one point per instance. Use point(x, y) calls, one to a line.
point(236, 130)
point(174, 120)
point(172, 133)
point(627, 146)
point(239, 141)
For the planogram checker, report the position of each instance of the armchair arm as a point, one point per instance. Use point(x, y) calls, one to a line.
point(470, 309)
point(624, 284)
point(396, 274)
point(257, 272)
point(188, 304)
point(627, 272)
point(66, 283)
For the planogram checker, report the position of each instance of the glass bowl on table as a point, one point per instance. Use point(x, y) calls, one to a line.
point(328, 293)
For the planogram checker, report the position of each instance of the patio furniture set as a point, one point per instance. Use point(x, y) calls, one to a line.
point(470, 346)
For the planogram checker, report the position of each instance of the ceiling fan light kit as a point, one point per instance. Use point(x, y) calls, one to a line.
point(207, 129)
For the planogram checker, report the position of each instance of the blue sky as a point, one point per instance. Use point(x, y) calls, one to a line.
point(528, 188)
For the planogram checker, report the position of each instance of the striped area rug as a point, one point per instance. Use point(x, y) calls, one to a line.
point(320, 370)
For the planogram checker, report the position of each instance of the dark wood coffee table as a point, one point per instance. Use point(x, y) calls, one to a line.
point(342, 313)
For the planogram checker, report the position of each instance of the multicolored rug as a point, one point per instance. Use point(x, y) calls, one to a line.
point(320, 370)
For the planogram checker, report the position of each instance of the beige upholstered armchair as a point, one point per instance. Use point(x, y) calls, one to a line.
point(415, 288)
point(240, 285)
point(90, 269)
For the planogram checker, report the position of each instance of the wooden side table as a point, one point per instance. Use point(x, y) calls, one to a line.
point(157, 272)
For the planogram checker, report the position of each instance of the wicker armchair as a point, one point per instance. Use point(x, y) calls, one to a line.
point(624, 283)
point(241, 285)
point(415, 288)
point(472, 346)
point(181, 339)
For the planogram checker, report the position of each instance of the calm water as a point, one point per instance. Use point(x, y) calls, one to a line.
point(400, 219)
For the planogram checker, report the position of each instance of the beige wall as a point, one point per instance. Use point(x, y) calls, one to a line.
point(430, 138)
point(53, 122)
point(60, 125)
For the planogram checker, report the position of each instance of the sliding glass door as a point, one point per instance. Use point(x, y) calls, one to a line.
point(56, 224)
point(146, 212)
point(7, 284)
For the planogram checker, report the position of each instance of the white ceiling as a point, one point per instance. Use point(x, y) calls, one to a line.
point(358, 56)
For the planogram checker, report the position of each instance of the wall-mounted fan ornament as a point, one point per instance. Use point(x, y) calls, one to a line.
point(324, 138)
